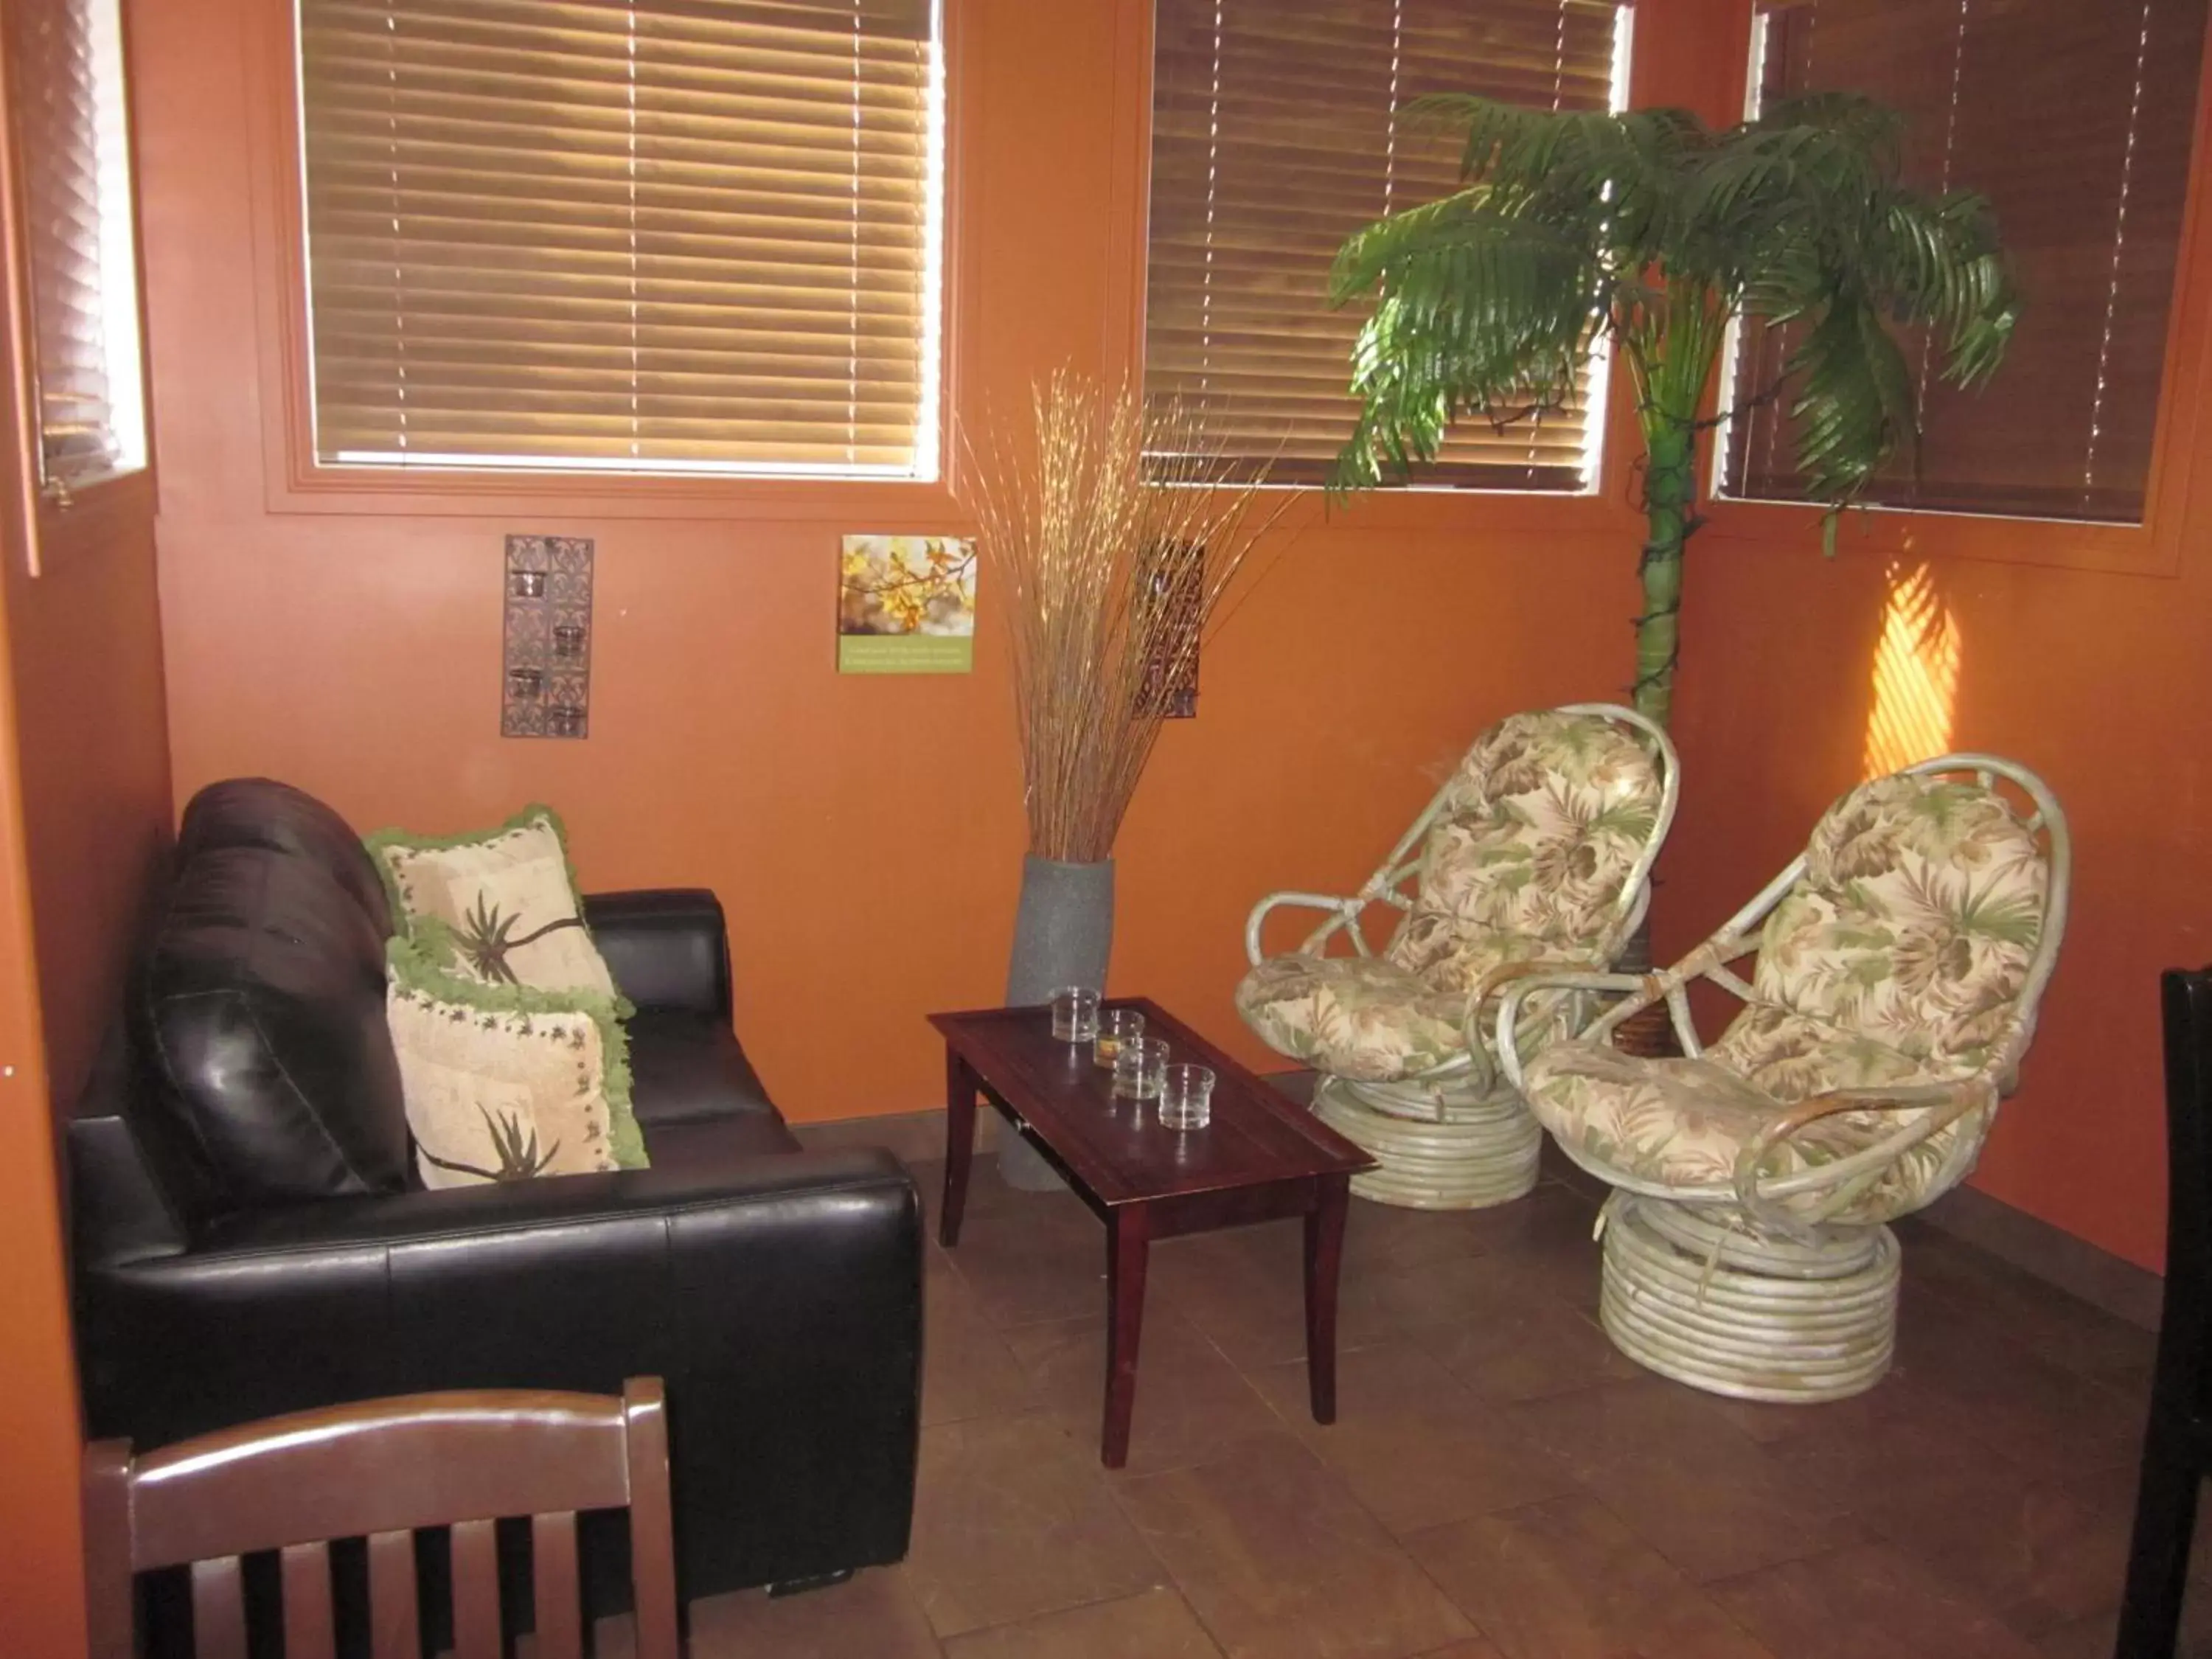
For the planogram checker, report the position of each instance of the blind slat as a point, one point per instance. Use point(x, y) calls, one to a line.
point(2076, 122)
point(65, 66)
point(618, 231)
point(1277, 130)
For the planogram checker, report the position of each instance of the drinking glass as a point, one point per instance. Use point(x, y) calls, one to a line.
point(1138, 1064)
point(1075, 1014)
point(1115, 1027)
point(1186, 1096)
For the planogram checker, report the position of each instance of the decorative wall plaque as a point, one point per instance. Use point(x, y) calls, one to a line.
point(546, 688)
point(906, 605)
point(1171, 671)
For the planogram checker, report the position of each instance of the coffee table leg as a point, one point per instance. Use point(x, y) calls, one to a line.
point(1128, 1246)
point(959, 1144)
point(1324, 1254)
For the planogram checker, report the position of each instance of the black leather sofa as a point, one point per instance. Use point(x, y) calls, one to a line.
point(248, 1236)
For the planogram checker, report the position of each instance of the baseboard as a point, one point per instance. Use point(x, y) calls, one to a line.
point(2012, 1236)
point(2050, 1254)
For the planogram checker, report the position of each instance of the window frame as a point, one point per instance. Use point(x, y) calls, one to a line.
point(57, 521)
point(1601, 510)
point(2152, 547)
point(295, 481)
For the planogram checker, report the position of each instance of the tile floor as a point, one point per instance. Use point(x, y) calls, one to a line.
point(1499, 1482)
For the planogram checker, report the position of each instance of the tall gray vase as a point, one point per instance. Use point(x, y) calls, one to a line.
point(1063, 934)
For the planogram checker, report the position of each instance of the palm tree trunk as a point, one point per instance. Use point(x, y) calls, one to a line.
point(1669, 489)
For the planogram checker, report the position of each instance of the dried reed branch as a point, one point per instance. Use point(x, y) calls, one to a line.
point(1112, 538)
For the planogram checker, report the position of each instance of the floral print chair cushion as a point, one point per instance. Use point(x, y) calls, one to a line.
point(1531, 844)
point(1900, 957)
point(499, 907)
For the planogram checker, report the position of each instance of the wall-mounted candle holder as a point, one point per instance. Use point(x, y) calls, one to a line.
point(546, 692)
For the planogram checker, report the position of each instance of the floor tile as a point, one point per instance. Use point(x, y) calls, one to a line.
point(1191, 1402)
point(1011, 1520)
point(2022, 1406)
point(1867, 1599)
point(2061, 1328)
point(1568, 1579)
point(1245, 1289)
point(875, 1613)
point(1280, 1561)
point(1024, 1267)
point(1667, 1460)
point(1507, 1341)
point(2039, 1553)
point(1412, 1445)
point(967, 1370)
point(1156, 1625)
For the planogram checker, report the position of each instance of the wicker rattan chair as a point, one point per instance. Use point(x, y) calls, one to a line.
point(1538, 851)
point(1901, 958)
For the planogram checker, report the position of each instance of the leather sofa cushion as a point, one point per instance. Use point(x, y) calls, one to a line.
point(262, 812)
point(259, 1014)
point(716, 1142)
point(684, 1067)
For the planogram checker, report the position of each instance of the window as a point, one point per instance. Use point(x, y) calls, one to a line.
point(1278, 129)
point(2075, 122)
point(66, 94)
point(658, 236)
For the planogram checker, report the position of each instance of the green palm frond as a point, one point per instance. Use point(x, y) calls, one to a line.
point(1648, 225)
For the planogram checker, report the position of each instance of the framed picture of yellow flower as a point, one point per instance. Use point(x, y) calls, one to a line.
point(906, 605)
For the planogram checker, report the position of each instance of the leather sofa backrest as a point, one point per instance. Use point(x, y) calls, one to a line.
point(262, 812)
point(257, 1014)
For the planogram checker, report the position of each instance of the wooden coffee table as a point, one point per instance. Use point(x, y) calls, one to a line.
point(1260, 1157)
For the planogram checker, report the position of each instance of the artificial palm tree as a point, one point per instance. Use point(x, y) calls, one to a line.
point(1650, 232)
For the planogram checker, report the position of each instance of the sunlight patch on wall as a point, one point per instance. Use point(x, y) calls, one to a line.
point(1916, 675)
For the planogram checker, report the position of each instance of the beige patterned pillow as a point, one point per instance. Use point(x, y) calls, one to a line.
point(504, 1084)
point(502, 903)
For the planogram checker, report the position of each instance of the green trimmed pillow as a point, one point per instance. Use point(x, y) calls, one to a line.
point(499, 907)
point(505, 1082)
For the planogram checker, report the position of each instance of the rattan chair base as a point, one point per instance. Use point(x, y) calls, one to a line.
point(1484, 1151)
point(1769, 1319)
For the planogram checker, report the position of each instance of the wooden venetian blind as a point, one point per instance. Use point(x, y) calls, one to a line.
point(2075, 121)
point(1278, 129)
point(634, 234)
point(65, 96)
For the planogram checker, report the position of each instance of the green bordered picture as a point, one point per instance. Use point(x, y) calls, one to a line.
point(906, 605)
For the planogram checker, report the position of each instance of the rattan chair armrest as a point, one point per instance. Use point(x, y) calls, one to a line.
point(1488, 988)
point(1344, 908)
point(1942, 1104)
point(1518, 990)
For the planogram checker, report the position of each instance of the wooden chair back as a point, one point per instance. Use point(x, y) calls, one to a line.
point(381, 1470)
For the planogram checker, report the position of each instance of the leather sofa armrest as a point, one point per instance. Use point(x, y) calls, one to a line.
point(779, 1296)
point(667, 947)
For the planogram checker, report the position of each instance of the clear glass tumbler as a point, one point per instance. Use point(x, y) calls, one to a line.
point(1186, 1096)
point(1138, 1065)
point(1115, 1027)
point(1075, 1014)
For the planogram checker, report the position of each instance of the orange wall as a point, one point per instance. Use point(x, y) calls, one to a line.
point(84, 817)
point(865, 833)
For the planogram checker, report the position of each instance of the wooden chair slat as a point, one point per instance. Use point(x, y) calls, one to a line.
point(310, 1630)
point(107, 1565)
point(218, 1609)
point(394, 1618)
point(651, 1533)
point(476, 1590)
point(448, 1460)
point(554, 1587)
